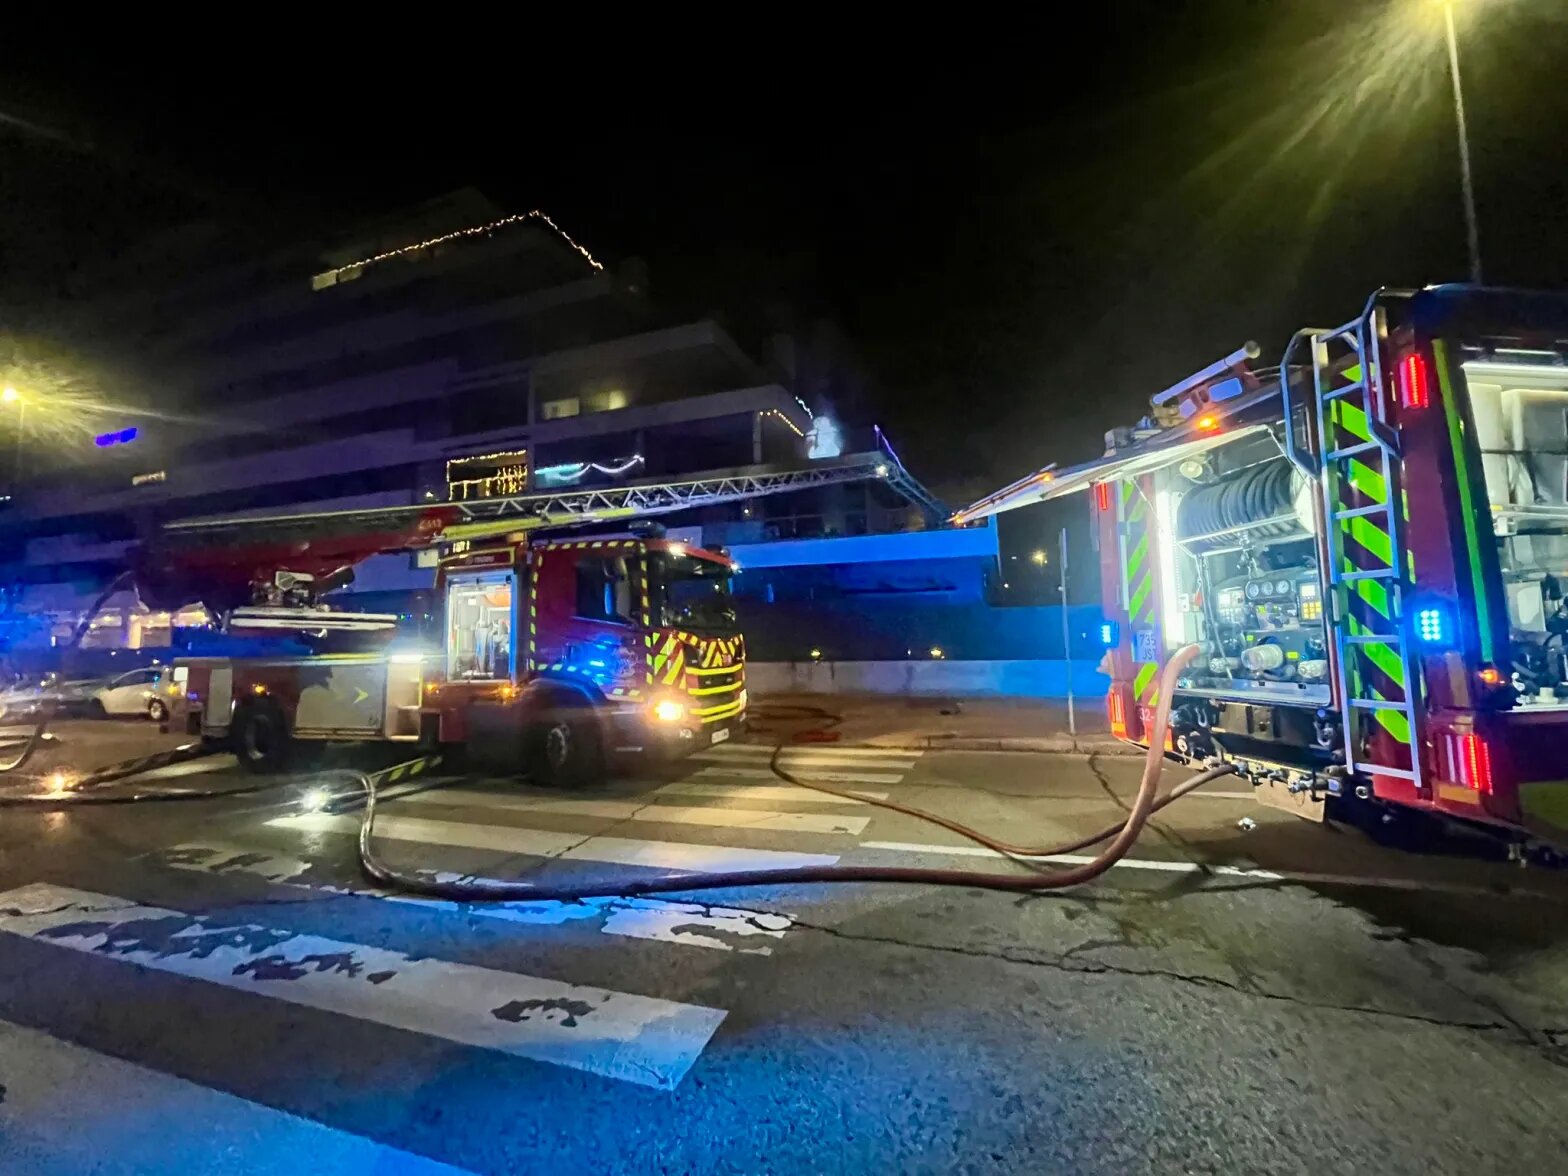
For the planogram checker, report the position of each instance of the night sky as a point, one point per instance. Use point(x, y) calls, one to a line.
point(1025, 231)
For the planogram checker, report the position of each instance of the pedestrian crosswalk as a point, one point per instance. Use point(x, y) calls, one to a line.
point(721, 814)
point(616, 1034)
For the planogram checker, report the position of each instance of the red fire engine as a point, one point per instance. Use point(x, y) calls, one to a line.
point(560, 655)
point(1370, 545)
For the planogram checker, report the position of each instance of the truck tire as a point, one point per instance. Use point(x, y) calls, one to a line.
point(565, 749)
point(259, 737)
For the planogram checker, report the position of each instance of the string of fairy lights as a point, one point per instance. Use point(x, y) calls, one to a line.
point(773, 412)
point(331, 276)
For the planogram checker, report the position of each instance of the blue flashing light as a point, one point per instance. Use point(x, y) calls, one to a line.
point(1431, 626)
point(119, 437)
point(1108, 633)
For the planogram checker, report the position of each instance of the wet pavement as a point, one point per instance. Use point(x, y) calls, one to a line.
point(223, 991)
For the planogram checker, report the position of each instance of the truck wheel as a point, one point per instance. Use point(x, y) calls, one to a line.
point(259, 737)
point(566, 751)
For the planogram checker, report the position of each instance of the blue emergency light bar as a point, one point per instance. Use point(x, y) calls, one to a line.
point(122, 437)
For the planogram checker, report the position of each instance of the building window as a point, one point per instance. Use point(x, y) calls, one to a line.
point(487, 475)
point(554, 410)
point(604, 590)
point(606, 401)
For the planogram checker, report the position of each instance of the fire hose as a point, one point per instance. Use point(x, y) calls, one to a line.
point(1121, 835)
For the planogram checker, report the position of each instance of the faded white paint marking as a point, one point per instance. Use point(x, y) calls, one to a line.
point(866, 757)
point(619, 1035)
point(624, 851)
point(688, 924)
point(1256, 875)
point(140, 1120)
point(646, 810)
point(199, 767)
point(810, 770)
point(1069, 859)
point(760, 792)
point(499, 838)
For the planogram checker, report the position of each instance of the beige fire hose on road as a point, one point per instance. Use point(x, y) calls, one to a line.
point(1122, 836)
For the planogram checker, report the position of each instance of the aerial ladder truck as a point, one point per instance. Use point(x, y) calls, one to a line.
point(574, 633)
point(1370, 544)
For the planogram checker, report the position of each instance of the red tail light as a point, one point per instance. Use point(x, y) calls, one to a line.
point(1470, 762)
point(1414, 384)
point(1102, 495)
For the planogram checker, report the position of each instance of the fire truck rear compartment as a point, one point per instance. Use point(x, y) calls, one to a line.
point(1239, 577)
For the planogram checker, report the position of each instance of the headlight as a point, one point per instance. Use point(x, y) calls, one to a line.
point(667, 710)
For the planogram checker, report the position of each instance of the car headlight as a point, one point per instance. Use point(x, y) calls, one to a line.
point(668, 710)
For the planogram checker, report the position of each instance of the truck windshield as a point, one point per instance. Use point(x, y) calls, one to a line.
point(695, 594)
point(1520, 405)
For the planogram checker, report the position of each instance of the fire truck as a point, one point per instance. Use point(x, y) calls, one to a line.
point(565, 649)
point(1370, 544)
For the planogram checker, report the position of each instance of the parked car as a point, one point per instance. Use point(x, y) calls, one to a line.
point(26, 698)
point(148, 691)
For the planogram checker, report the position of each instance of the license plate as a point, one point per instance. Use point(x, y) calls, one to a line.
point(721, 735)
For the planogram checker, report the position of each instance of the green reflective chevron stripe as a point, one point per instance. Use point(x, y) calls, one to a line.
point(1385, 659)
point(1352, 419)
point(1481, 555)
point(1146, 674)
point(1371, 536)
point(1364, 478)
point(1140, 552)
point(1139, 595)
point(1392, 721)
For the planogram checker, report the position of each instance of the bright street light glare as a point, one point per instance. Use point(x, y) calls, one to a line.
point(10, 395)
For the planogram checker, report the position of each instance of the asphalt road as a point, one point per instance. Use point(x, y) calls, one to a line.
point(211, 986)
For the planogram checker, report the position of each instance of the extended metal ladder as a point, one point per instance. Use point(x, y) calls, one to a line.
point(1353, 454)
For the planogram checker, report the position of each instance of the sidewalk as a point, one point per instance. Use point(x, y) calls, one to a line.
point(970, 724)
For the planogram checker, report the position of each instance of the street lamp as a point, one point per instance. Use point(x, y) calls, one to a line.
point(1472, 231)
point(1039, 558)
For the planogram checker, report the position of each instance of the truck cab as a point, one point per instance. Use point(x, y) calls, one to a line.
point(574, 654)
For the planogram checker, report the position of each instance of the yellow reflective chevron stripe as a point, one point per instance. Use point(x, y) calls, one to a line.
point(1139, 571)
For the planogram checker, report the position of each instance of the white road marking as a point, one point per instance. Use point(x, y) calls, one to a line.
point(146, 1121)
point(624, 851)
point(811, 770)
point(822, 751)
point(761, 792)
point(764, 820)
point(1254, 874)
point(191, 768)
point(684, 923)
point(620, 1035)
